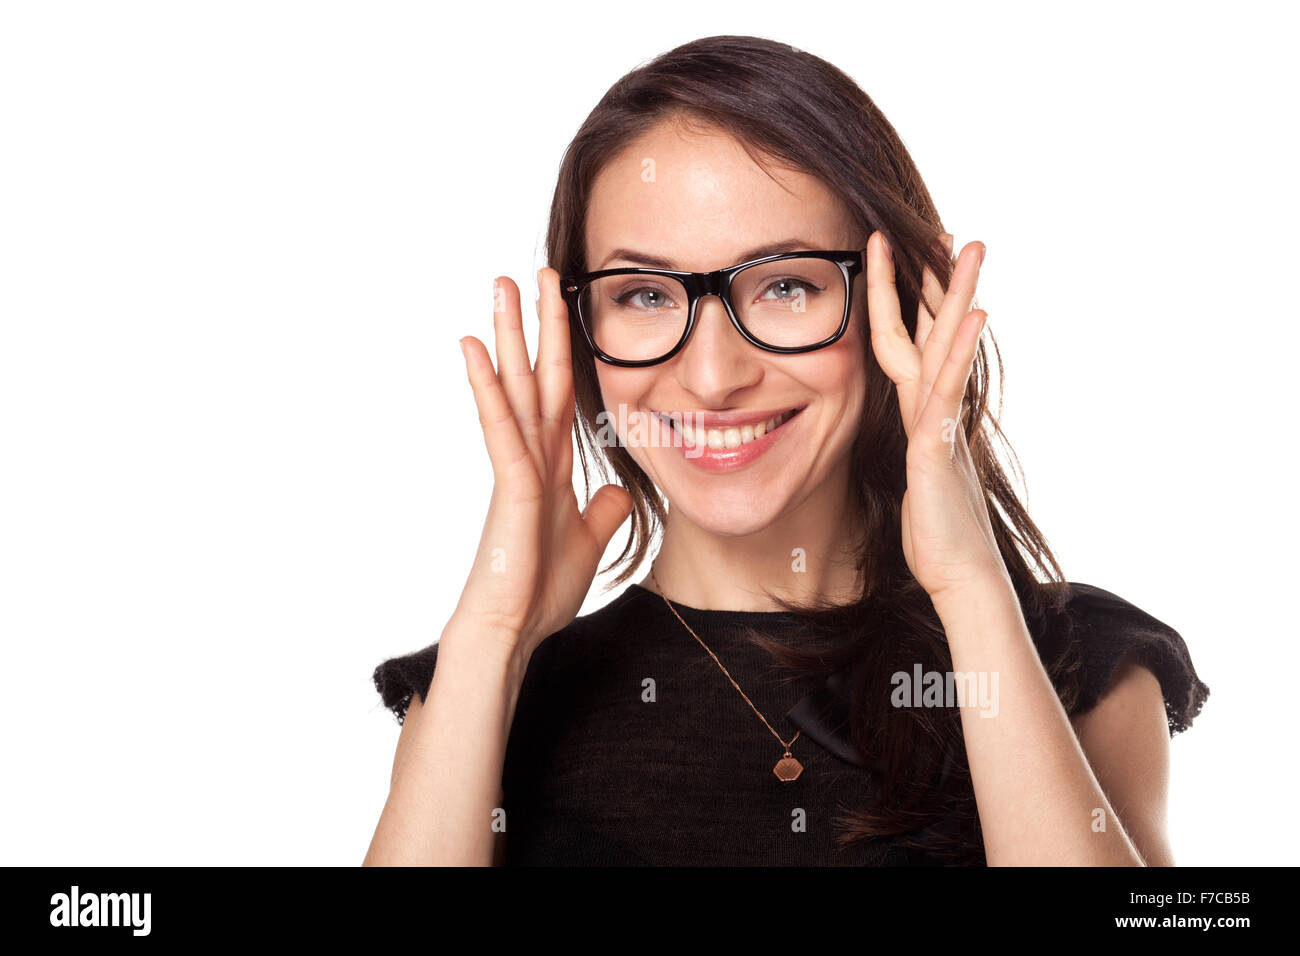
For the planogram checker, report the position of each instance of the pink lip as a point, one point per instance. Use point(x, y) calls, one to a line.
point(729, 459)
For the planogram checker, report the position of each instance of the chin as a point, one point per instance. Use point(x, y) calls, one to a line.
point(735, 513)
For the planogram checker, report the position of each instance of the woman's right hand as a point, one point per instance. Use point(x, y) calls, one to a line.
point(539, 552)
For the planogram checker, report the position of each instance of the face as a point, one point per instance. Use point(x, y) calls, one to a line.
point(706, 207)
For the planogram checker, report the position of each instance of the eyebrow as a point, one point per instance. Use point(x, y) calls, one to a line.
point(657, 262)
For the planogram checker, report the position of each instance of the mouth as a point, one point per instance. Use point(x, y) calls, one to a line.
point(729, 437)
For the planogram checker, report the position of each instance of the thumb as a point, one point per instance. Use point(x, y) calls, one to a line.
point(607, 509)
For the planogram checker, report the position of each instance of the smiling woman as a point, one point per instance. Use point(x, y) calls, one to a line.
point(752, 317)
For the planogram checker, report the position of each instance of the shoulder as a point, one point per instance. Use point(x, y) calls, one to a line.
point(1109, 635)
point(399, 679)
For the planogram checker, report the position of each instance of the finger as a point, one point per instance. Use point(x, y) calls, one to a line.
point(513, 367)
point(554, 359)
point(501, 434)
point(932, 292)
point(956, 305)
point(607, 509)
point(893, 347)
point(944, 401)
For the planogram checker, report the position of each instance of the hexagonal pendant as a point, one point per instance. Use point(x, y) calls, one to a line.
point(787, 769)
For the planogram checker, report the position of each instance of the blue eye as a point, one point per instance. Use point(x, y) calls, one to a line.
point(660, 299)
point(810, 288)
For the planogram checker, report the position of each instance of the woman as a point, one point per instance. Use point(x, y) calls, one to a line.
point(853, 645)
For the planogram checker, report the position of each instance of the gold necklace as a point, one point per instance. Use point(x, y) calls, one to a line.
point(787, 769)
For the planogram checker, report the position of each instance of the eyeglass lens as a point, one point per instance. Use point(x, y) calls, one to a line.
point(785, 303)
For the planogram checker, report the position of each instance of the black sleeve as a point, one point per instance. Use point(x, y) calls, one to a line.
point(1108, 630)
point(399, 678)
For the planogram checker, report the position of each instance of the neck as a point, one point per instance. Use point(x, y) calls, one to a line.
point(807, 554)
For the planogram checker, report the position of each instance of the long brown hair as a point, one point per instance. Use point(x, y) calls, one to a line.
point(784, 104)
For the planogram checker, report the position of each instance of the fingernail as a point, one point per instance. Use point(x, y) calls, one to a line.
point(461, 343)
point(889, 250)
point(983, 249)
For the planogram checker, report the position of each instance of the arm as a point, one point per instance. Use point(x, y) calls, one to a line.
point(1039, 796)
point(1039, 800)
point(1126, 739)
point(536, 559)
point(446, 779)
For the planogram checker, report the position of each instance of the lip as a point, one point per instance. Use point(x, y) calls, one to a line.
point(717, 460)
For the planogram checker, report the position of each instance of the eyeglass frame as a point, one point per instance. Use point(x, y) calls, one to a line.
point(718, 282)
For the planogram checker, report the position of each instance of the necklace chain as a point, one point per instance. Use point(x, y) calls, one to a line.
point(784, 744)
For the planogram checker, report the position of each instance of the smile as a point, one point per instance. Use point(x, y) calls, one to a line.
point(732, 437)
point(725, 446)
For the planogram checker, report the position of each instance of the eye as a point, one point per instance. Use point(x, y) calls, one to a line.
point(788, 287)
point(650, 298)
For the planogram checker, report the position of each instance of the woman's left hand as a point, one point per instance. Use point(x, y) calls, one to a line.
point(947, 537)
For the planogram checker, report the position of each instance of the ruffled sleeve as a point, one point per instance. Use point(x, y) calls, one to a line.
point(398, 679)
point(1107, 630)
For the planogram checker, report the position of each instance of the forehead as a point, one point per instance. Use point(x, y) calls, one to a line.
point(694, 196)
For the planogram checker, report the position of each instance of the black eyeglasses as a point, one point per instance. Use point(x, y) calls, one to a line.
point(636, 317)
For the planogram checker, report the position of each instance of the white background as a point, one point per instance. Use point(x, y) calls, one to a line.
point(241, 462)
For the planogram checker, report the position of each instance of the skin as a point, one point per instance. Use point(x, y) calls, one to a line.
point(1041, 782)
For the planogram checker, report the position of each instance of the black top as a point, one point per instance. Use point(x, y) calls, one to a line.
point(630, 747)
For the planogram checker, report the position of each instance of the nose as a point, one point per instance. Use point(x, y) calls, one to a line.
point(716, 360)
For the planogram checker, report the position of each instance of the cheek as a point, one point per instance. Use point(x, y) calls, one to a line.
point(621, 386)
point(605, 381)
point(840, 379)
point(840, 374)
point(858, 364)
point(621, 392)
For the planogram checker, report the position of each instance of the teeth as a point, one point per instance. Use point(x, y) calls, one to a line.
point(732, 437)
